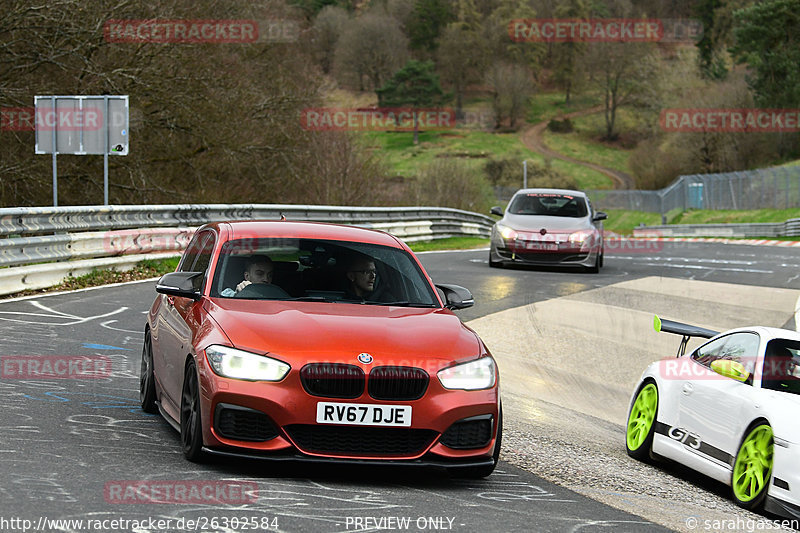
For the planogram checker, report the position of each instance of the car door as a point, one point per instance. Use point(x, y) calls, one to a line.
point(712, 407)
point(176, 325)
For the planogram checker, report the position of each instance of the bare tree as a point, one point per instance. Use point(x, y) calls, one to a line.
point(511, 86)
point(340, 171)
point(659, 160)
point(622, 72)
point(462, 58)
point(328, 27)
point(369, 50)
point(452, 183)
point(209, 122)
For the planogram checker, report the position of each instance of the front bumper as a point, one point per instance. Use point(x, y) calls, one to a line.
point(291, 412)
point(564, 256)
point(783, 497)
point(782, 508)
point(427, 461)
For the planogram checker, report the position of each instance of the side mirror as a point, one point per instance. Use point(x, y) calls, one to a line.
point(496, 211)
point(456, 297)
point(730, 369)
point(598, 216)
point(182, 284)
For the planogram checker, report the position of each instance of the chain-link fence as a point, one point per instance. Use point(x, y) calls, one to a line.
point(777, 187)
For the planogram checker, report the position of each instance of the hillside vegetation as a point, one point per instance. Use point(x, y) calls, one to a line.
point(222, 122)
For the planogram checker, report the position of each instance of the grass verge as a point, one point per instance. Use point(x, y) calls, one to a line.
point(623, 221)
point(450, 243)
point(705, 216)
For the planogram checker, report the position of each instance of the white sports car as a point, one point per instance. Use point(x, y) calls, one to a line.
point(730, 410)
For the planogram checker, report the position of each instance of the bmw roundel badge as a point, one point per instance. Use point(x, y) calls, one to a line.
point(365, 358)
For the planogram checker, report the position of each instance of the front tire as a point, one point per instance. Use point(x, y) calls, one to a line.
point(191, 420)
point(752, 469)
point(147, 382)
point(642, 422)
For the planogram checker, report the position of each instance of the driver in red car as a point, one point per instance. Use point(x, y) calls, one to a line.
point(258, 269)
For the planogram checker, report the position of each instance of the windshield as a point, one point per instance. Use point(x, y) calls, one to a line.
point(782, 366)
point(554, 205)
point(320, 271)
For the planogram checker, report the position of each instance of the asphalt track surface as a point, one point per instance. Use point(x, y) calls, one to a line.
point(67, 445)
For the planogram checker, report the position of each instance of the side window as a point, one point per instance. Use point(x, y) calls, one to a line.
point(204, 255)
point(739, 347)
point(192, 250)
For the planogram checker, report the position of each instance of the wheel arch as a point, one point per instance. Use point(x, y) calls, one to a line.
point(642, 384)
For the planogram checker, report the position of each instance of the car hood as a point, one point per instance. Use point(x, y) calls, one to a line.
point(537, 222)
point(301, 332)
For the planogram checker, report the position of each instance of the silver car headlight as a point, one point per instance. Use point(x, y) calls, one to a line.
point(475, 375)
point(582, 237)
point(507, 233)
point(232, 363)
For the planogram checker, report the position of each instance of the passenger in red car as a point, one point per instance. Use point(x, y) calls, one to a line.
point(361, 275)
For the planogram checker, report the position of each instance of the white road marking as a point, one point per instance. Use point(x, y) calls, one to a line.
point(52, 313)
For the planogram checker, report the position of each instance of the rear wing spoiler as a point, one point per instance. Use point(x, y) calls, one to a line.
point(687, 331)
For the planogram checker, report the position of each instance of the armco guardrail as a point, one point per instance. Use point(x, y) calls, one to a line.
point(41, 220)
point(789, 228)
point(42, 245)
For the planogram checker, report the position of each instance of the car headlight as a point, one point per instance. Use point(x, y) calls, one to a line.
point(474, 375)
point(507, 233)
point(232, 363)
point(581, 237)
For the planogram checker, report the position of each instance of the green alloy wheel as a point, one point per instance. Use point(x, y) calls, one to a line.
point(753, 467)
point(641, 422)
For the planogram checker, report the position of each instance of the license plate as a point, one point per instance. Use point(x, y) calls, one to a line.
point(546, 246)
point(363, 414)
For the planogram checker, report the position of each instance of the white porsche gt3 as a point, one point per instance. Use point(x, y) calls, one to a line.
point(730, 410)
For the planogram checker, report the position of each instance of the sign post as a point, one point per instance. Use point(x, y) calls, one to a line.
point(81, 125)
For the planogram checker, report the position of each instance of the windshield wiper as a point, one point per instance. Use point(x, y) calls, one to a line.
point(399, 303)
point(310, 299)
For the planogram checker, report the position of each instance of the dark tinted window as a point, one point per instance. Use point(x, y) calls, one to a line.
point(198, 256)
point(204, 255)
point(190, 255)
point(781, 369)
point(317, 270)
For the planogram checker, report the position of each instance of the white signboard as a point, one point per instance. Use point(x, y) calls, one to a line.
point(81, 125)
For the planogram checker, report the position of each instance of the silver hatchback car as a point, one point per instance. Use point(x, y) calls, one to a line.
point(548, 227)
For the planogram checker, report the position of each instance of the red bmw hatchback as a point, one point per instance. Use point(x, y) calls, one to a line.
point(318, 342)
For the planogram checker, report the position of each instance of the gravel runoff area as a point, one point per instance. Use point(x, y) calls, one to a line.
point(568, 367)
